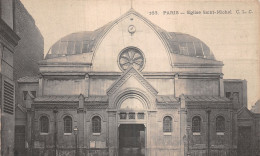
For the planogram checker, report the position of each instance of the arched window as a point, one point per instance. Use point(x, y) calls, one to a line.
point(196, 124)
point(44, 124)
point(96, 124)
point(167, 124)
point(67, 124)
point(220, 124)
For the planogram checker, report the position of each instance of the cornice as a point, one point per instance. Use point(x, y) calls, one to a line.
point(62, 64)
point(198, 65)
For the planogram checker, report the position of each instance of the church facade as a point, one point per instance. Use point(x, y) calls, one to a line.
point(132, 88)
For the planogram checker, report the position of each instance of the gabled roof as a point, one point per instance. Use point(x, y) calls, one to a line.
point(86, 42)
point(131, 71)
point(244, 113)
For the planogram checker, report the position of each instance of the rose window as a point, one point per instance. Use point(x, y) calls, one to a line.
point(131, 57)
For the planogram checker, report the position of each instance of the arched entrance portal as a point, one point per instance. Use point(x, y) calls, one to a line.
point(132, 119)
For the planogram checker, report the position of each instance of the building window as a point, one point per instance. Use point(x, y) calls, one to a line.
point(236, 96)
point(131, 57)
point(67, 124)
point(140, 115)
point(44, 124)
point(25, 94)
point(33, 94)
point(196, 124)
point(220, 124)
point(122, 115)
point(184, 50)
point(96, 124)
point(167, 124)
point(228, 95)
point(131, 115)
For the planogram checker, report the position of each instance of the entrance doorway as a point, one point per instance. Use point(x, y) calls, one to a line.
point(244, 141)
point(131, 140)
point(19, 143)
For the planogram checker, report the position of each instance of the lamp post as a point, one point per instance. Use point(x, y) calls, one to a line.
point(76, 140)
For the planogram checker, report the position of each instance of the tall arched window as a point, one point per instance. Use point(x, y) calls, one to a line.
point(220, 124)
point(196, 121)
point(96, 124)
point(44, 124)
point(167, 124)
point(67, 124)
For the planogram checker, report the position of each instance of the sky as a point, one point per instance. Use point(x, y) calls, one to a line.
point(233, 38)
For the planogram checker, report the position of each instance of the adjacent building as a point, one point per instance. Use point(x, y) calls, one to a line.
point(8, 40)
point(133, 88)
point(28, 53)
point(18, 59)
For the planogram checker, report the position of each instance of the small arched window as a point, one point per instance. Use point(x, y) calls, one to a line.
point(44, 124)
point(167, 124)
point(96, 124)
point(220, 124)
point(196, 121)
point(67, 124)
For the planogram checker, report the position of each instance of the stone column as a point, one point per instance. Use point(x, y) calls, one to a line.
point(112, 133)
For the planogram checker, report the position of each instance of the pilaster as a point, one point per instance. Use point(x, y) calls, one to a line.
point(112, 133)
point(29, 126)
point(81, 121)
point(183, 127)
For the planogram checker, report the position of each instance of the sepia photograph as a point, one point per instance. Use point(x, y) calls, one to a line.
point(129, 78)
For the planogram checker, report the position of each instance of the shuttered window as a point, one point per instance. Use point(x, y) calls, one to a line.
point(8, 98)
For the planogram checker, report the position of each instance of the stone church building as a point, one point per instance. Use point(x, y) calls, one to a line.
point(130, 88)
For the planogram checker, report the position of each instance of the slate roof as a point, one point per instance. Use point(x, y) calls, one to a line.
point(85, 42)
point(97, 99)
point(166, 99)
point(57, 99)
point(191, 98)
point(28, 79)
point(68, 98)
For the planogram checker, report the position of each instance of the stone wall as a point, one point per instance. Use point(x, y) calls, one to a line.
point(30, 48)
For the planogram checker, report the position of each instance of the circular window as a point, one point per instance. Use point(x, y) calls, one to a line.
point(131, 57)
